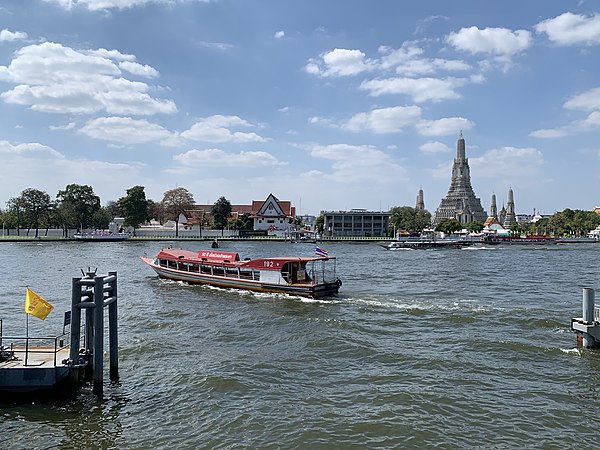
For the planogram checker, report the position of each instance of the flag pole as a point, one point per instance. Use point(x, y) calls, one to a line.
point(26, 339)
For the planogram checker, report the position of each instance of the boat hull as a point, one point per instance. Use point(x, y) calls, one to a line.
point(299, 289)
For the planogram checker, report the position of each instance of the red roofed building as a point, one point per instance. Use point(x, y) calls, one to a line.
point(268, 215)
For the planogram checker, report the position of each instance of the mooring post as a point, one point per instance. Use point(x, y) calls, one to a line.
point(113, 334)
point(98, 314)
point(75, 321)
point(588, 314)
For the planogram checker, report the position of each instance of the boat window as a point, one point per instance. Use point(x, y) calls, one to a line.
point(218, 271)
point(232, 272)
point(246, 274)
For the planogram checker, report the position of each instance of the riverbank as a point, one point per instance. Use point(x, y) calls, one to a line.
point(197, 238)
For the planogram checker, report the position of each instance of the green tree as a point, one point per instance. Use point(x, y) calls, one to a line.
point(9, 220)
point(16, 212)
point(80, 201)
point(409, 219)
point(113, 209)
point(156, 211)
point(475, 226)
point(175, 202)
point(574, 222)
point(101, 218)
point(242, 222)
point(320, 223)
point(134, 206)
point(221, 211)
point(448, 226)
point(36, 205)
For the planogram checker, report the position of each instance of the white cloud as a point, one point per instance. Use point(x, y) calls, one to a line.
point(549, 133)
point(214, 157)
point(279, 34)
point(52, 171)
point(589, 123)
point(110, 54)
point(510, 162)
point(324, 121)
point(587, 101)
point(495, 41)
point(216, 129)
point(124, 130)
point(407, 61)
point(443, 127)
point(384, 120)
point(215, 45)
point(340, 62)
point(571, 29)
point(29, 150)
point(434, 147)
point(358, 163)
point(420, 89)
point(100, 5)
point(57, 79)
point(68, 126)
point(10, 36)
point(139, 69)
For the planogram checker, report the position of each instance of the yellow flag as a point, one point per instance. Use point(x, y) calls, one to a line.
point(36, 305)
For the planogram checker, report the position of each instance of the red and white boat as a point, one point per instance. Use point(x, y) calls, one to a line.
point(294, 275)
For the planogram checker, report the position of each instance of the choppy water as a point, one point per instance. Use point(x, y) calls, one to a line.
point(435, 348)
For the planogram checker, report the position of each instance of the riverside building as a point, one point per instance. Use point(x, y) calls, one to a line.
point(356, 222)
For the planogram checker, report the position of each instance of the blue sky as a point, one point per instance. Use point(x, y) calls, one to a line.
point(329, 104)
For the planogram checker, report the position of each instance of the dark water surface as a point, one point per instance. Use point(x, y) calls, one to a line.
point(436, 348)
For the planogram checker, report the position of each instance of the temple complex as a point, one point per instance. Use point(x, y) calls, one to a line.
point(460, 203)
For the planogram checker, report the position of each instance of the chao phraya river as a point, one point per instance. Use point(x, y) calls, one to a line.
point(447, 348)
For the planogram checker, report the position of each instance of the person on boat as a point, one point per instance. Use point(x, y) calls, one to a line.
point(215, 244)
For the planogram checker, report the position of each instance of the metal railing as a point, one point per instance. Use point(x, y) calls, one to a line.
point(23, 344)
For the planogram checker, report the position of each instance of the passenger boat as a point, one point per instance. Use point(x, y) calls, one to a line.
point(519, 240)
point(303, 276)
point(423, 244)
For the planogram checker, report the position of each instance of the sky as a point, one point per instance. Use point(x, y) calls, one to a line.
point(330, 104)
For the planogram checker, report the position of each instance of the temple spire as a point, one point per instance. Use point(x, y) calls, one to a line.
point(460, 203)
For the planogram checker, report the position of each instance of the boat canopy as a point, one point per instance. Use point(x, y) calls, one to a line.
point(218, 257)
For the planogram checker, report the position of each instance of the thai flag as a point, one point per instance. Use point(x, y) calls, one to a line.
point(320, 252)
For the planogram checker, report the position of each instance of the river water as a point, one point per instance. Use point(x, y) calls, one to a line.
point(439, 348)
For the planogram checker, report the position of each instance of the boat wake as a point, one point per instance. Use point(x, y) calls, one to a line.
point(477, 248)
point(571, 351)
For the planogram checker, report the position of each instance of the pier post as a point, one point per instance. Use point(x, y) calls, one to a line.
point(113, 334)
point(588, 314)
point(75, 321)
point(98, 326)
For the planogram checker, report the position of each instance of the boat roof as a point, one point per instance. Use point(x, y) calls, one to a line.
point(220, 257)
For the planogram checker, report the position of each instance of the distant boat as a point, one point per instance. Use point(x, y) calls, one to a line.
point(423, 244)
point(101, 236)
point(293, 275)
point(577, 240)
point(519, 240)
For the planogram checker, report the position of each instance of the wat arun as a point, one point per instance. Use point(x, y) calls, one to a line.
point(460, 203)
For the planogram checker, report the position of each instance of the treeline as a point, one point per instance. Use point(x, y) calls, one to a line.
point(78, 207)
point(565, 223)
